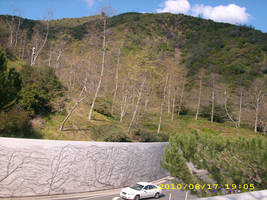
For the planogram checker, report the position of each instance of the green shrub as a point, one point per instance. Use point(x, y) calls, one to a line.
point(110, 133)
point(34, 100)
point(16, 123)
point(219, 113)
point(144, 135)
point(175, 163)
point(162, 137)
point(116, 137)
point(238, 160)
point(10, 83)
point(103, 106)
point(44, 77)
point(40, 87)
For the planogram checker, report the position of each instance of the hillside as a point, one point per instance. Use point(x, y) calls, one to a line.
point(174, 53)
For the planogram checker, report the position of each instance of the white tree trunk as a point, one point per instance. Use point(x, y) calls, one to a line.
point(102, 72)
point(35, 55)
point(58, 57)
point(173, 104)
point(265, 128)
point(124, 106)
point(162, 103)
point(240, 108)
point(23, 43)
point(257, 113)
point(146, 103)
point(226, 110)
point(181, 99)
point(212, 101)
point(50, 56)
point(72, 110)
point(116, 82)
point(199, 98)
point(17, 33)
point(148, 97)
point(11, 30)
point(259, 93)
point(137, 104)
point(169, 99)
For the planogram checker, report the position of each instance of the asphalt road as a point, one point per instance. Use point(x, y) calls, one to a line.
point(167, 195)
point(111, 194)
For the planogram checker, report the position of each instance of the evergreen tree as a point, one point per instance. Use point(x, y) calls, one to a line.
point(10, 83)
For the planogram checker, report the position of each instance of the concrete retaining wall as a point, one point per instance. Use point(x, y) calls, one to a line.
point(44, 167)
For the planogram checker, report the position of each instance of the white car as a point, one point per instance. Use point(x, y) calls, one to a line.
point(141, 190)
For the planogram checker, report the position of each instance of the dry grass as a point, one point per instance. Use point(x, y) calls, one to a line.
point(79, 128)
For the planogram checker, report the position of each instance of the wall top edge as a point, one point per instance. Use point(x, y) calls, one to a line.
point(21, 142)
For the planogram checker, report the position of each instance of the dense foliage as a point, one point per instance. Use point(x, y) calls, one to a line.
point(237, 160)
point(40, 87)
point(16, 123)
point(24, 95)
point(10, 83)
point(238, 53)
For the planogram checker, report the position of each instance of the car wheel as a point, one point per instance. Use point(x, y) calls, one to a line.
point(137, 197)
point(157, 195)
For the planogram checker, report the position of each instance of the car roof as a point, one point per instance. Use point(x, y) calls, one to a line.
point(144, 183)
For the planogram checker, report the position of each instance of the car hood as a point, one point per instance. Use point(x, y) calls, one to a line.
point(129, 190)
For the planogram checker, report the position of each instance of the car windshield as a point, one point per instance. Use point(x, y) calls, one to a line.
point(137, 187)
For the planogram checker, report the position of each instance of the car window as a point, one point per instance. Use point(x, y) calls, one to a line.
point(146, 187)
point(152, 187)
point(137, 187)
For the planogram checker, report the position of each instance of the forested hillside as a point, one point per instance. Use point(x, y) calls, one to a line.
point(151, 64)
point(141, 77)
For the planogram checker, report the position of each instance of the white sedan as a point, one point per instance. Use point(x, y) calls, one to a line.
point(141, 190)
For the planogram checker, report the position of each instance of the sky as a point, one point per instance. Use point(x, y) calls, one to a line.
point(245, 12)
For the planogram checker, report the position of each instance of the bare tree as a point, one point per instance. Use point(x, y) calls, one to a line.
point(212, 99)
point(169, 97)
point(124, 107)
point(50, 56)
point(124, 100)
point(199, 96)
point(14, 27)
point(102, 66)
point(181, 97)
point(35, 50)
point(240, 108)
point(116, 81)
point(226, 109)
point(148, 96)
point(17, 31)
point(11, 31)
point(263, 122)
point(137, 104)
point(173, 103)
point(258, 91)
point(162, 103)
point(23, 36)
point(60, 52)
point(81, 98)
